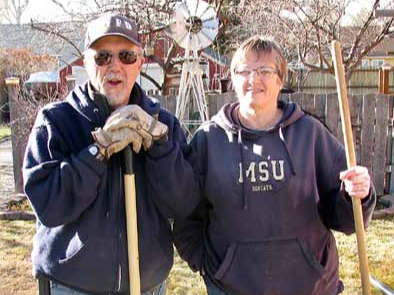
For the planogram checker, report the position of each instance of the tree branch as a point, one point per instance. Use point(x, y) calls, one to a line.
point(153, 81)
point(361, 32)
point(157, 60)
point(33, 26)
point(61, 6)
point(369, 47)
point(312, 66)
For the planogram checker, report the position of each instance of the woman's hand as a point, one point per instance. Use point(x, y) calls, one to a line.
point(357, 181)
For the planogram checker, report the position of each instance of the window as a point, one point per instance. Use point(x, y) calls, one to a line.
point(365, 64)
point(377, 63)
point(172, 91)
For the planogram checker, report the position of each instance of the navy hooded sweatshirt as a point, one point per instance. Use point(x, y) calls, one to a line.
point(79, 201)
point(268, 202)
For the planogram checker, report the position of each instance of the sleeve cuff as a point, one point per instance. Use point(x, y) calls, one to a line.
point(94, 163)
point(364, 202)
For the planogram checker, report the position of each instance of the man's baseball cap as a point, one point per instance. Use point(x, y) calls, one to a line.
point(111, 25)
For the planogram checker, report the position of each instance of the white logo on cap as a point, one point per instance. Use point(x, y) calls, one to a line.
point(119, 24)
point(128, 25)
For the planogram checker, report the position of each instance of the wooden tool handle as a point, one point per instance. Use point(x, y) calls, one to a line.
point(351, 161)
point(131, 223)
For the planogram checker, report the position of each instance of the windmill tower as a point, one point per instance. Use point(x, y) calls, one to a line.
point(194, 26)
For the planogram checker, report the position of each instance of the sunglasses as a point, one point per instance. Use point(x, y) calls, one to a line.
point(104, 58)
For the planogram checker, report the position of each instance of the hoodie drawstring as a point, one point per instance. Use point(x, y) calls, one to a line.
point(287, 151)
point(244, 197)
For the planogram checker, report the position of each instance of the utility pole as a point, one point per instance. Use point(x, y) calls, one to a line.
point(384, 71)
point(383, 82)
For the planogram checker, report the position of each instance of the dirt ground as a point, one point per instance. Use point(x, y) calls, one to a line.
point(7, 187)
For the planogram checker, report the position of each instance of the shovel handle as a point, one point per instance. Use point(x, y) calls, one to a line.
point(131, 222)
point(351, 161)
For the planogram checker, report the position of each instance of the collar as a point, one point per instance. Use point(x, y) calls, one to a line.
point(99, 100)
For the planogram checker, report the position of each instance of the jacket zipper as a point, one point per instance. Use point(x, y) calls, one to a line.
point(120, 276)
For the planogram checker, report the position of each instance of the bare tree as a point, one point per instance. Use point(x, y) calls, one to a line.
point(21, 63)
point(305, 28)
point(152, 16)
point(12, 10)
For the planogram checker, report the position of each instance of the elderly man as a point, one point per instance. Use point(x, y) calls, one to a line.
point(73, 173)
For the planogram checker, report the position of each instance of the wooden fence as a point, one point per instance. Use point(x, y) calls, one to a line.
point(362, 81)
point(371, 116)
point(372, 124)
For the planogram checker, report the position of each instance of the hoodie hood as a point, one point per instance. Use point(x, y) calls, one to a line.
point(95, 108)
point(225, 119)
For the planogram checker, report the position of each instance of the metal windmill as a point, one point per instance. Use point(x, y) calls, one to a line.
point(193, 26)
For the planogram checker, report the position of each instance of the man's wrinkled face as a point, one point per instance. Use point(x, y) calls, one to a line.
point(113, 64)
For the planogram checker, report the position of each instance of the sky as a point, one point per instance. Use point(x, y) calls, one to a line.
point(45, 10)
point(41, 10)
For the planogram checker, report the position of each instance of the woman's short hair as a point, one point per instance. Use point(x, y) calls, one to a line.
point(260, 45)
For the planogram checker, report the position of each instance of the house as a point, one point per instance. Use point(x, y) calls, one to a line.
point(56, 45)
point(366, 78)
point(69, 57)
point(381, 55)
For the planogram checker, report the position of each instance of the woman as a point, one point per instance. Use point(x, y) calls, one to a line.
point(271, 190)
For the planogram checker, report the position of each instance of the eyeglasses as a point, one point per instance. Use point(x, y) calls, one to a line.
point(262, 72)
point(104, 58)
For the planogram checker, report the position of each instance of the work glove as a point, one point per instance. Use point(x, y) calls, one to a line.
point(134, 117)
point(113, 141)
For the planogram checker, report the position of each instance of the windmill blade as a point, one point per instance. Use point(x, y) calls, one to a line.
point(177, 27)
point(183, 9)
point(182, 40)
point(204, 39)
point(193, 25)
point(192, 5)
point(208, 34)
point(209, 14)
point(211, 24)
point(209, 17)
point(202, 8)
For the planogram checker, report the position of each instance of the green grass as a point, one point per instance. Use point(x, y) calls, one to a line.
point(15, 268)
point(15, 265)
point(5, 131)
point(380, 251)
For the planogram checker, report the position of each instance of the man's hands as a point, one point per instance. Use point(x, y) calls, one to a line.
point(357, 181)
point(128, 125)
point(111, 142)
point(132, 116)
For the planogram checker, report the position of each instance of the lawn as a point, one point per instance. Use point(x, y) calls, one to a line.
point(5, 131)
point(15, 268)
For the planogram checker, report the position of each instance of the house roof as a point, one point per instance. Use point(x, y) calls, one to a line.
point(14, 36)
point(385, 48)
point(43, 77)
